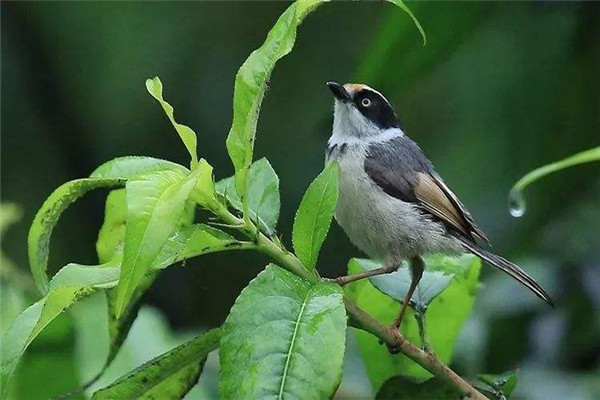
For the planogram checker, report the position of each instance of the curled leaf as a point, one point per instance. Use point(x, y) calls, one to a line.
point(46, 218)
point(187, 135)
point(132, 167)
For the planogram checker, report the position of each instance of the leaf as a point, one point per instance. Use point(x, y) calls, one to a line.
point(396, 284)
point(112, 236)
point(108, 246)
point(70, 284)
point(284, 338)
point(445, 317)
point(132, 167)
point(263, 195)
point(498, 386)
point(314, 215)
point(110, 174)
point(194, 241)
point(187, 242)
point(112, 233)
point(47, 217)
point(169, 376)
point(400, 388)
point(155, 205)
point(204, 193)
point(187, 135)
point(404, 7)
point(251, 83)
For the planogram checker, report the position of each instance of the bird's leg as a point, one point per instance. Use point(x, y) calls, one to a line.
point(416, 269)
point(389, 267)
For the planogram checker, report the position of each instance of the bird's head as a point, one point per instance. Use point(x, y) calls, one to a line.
point(361, 111)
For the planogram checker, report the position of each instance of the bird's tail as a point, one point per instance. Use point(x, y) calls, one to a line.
point(510, 268)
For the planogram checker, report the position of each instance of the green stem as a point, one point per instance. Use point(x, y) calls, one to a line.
point(357, 316)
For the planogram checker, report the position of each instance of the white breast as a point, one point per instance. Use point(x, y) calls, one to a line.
point(380, 225)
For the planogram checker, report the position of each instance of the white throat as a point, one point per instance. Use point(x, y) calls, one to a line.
point(351, 127)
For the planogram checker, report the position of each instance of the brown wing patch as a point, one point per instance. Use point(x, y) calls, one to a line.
point(434, 200)
point(473, 228)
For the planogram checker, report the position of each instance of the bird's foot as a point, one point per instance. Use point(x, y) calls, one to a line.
point(339, 280)
point(395, 348)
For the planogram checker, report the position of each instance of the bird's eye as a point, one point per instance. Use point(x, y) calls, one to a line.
point(365, 102)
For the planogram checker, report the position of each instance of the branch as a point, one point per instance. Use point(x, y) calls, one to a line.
point(394, 339)
point(358, 317)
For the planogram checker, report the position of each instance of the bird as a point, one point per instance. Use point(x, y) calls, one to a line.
point(392, 204)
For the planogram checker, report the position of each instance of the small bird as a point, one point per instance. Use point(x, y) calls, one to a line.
point(392, 204)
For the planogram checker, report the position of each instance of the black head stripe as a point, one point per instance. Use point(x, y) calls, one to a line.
point(376, 108)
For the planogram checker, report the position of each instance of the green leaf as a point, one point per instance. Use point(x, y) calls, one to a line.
point(169, 376)
point(516, 201)
point(251, 83)
point(187, 135)
point(109, 246)
point(155, 205)
point(187, 242)
point(396, 284)
point(498, 386)
point(407, 10)
point(47, 217)
point(132, 167)
point(445, 317)
point(112, 233)
point(284, 338)
point(400, 388)
point(263, 195)
point(194, 241)
point(70, 284)
point(314, 216)
point(204, 192)
point(110, 174)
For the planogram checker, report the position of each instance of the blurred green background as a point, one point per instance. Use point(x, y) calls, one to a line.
point(500, 88)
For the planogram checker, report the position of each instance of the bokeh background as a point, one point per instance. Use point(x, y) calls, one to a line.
point(500, 88)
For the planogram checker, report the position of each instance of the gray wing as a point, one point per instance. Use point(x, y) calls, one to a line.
point(400, 168)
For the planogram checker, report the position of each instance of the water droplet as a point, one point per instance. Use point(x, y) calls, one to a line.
point(516, 203)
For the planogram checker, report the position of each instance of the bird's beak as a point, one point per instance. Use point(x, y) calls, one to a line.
point(339, 92)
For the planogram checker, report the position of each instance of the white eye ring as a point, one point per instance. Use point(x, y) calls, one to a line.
point(365, 102)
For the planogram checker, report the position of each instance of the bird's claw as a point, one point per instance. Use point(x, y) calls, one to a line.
point(395, 349)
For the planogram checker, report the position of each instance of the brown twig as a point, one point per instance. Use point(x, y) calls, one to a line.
point(393, 339)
